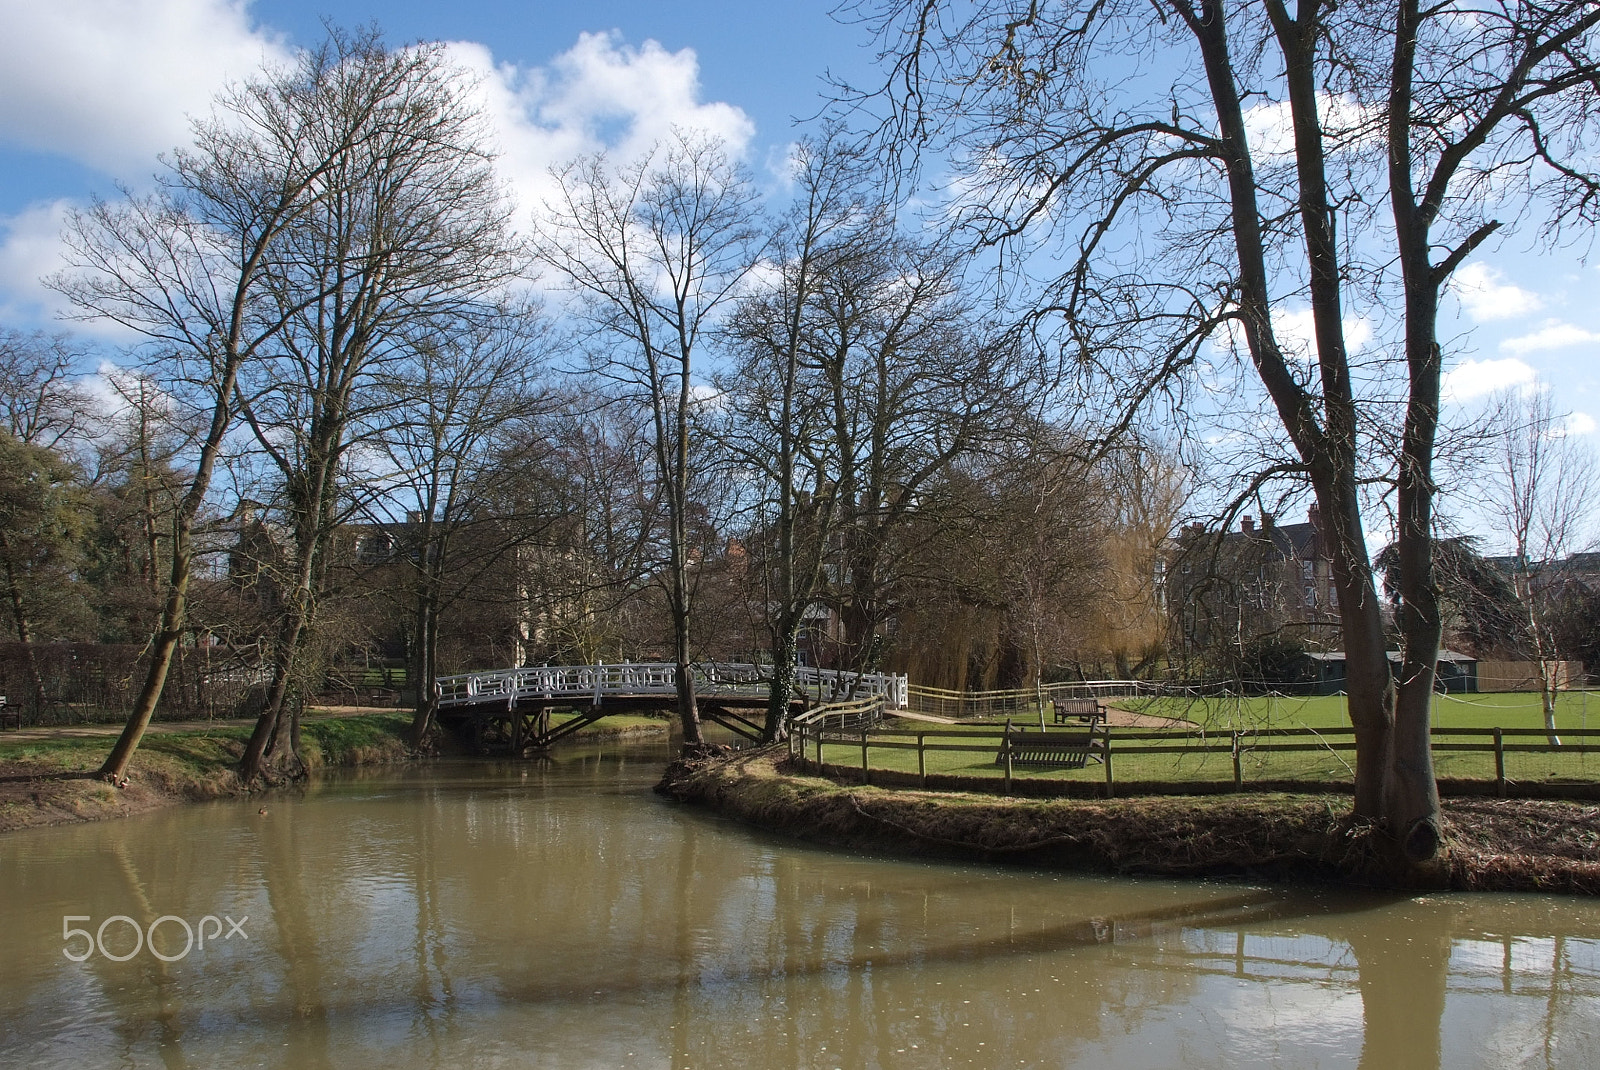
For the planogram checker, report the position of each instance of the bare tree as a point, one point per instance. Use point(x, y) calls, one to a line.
point(447, 423)
point(775, 430)
point(407, 241)
point(188, 268)
point(652, 252)
point(1541, 491)
point(1345, 157)
point(588, 587)
point(908, 380)
point(42, 401)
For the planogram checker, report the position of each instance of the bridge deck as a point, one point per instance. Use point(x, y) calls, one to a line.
point(509, 709)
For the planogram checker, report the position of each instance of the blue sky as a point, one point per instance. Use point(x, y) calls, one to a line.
point(96, 88)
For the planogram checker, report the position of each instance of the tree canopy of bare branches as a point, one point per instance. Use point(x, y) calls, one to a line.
point(651, 253)
point(1204, 167)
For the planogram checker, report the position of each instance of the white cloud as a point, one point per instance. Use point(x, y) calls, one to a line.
point(1270, 127)
point(110, 83)
point(30, 248)
point(1580, 423)
point(1479, 378)
point(1552, 335)
point(1297, 332)
point(599, 95)
point(1485, 296)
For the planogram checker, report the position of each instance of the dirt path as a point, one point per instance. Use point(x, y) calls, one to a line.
point(1122, 718)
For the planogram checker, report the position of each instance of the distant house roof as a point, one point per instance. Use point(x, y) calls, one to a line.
point(1291, 540)
point(1394, 655)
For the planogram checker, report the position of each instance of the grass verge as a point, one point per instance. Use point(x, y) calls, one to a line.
point(1493, 845)
point(49, 781)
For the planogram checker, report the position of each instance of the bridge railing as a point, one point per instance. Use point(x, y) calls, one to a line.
point(595, 682)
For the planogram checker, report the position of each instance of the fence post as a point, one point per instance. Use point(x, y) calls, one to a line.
point(820, 722)
point(1499, 764)
point(922, 764)
point(1005, 748)
point(1111, 788)
point(1238, 769)
point(866, 777)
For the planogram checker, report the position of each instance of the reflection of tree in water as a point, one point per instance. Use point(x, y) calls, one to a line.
point(155, 975)
point(1404, 958)
point(911, 971)
point(433, 1012)
point(283, 870)
point(537, 914)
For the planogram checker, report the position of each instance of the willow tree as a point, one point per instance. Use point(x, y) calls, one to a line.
point(1201, 169)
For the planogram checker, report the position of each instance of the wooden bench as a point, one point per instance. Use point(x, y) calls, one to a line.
point(1083, 710)
point(9, 715)
point(1053, 750)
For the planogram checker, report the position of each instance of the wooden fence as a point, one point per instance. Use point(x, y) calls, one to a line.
point(996, 704)
point(813, 731)
point(1494, 676)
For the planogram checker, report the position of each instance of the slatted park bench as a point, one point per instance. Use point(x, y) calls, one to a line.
point(1059, 749)
point(1083, 710)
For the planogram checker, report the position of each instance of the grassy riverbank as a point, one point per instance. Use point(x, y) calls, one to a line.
point(48, 779)
point(1494, 844)
point(47, 776)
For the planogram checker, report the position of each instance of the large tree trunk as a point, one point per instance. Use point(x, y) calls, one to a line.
point(264, 739)
point(785, 651)
point(422, 666)
point(1394, 764)
point(1411, 803)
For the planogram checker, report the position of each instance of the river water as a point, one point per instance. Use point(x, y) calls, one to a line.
point(557, 914)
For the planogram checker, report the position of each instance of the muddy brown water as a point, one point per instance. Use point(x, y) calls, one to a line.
point(557, 914)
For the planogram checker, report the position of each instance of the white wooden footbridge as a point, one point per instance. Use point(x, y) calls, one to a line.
point(510, 708)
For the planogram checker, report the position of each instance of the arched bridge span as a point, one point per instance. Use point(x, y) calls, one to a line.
point(504, 709)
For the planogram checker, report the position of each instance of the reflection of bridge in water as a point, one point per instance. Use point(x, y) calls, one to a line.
point(510, 709)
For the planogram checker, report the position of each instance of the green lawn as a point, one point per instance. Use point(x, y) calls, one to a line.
point(203, 751)
point(1517, 709)
point(1214, 720)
